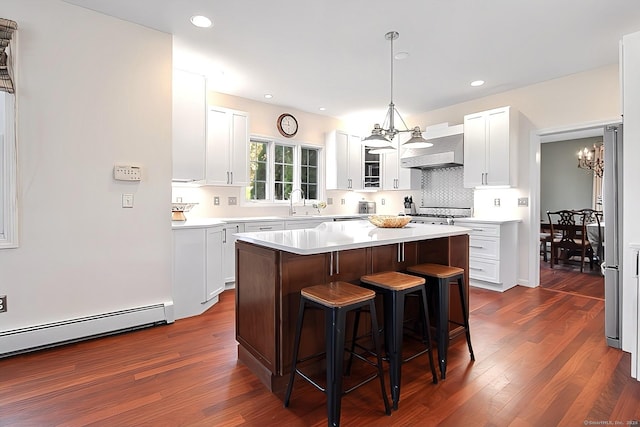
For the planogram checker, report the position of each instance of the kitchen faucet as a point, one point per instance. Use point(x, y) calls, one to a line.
point(291, 210)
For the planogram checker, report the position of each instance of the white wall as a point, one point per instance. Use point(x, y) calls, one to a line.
point(631, 203)
point(93, 91)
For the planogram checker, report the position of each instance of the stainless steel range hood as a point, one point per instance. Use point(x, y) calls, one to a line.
point(447, 150)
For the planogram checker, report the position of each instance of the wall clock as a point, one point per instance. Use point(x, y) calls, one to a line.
point(287, 125)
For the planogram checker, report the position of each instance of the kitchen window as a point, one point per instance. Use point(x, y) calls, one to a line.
point(277, 168)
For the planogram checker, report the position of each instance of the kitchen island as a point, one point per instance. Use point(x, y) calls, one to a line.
point(272, 267)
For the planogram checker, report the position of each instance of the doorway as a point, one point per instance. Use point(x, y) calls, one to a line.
point(564, 186)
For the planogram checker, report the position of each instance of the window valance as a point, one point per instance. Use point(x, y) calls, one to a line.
point(7, 27)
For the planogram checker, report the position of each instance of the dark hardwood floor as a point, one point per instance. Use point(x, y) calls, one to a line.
point(566, 277)
point(541, 360)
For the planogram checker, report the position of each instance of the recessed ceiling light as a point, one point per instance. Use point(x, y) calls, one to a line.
point(268, 95)
point(201, 21)
point(322, 109)
point(401, 55)
point(477, 83)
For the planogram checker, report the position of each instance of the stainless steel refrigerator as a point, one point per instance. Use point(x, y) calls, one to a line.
point(612, 199)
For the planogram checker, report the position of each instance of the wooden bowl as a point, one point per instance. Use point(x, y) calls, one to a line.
point(389, 221)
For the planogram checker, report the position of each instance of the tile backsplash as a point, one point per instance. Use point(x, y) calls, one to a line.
point(444, 187)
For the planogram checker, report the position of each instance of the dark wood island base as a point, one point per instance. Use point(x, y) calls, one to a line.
point(268, 283)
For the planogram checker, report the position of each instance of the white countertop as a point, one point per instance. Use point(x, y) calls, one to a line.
point(211, 222)
point(334, 236)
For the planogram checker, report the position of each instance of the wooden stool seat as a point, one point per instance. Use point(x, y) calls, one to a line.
point(335, 299)
point(436, 270)
point(393, 280)
point(337, 294)
point(394, 286)
point(441, 276)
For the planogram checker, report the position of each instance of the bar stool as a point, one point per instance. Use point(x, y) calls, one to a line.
point(394, 286)
point(335, 299)
point(442, 275)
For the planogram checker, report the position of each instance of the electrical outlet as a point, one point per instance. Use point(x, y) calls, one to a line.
point(383, 201)
point(523, 201)
point(496, 202)
point(342, 201)
point(216, 200)
point(329, 200)
point(233, 201)
point(3, 303)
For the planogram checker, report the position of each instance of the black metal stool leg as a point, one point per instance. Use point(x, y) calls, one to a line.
point(465, 315)
point(376, 344)
point(356, 325)
point(394, 303)
point(427, 327)
point(443, 325)
point(296, 345)
point(334, 330)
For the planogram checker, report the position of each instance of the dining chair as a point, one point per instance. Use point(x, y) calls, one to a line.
point(569, 237)
point(593, 216)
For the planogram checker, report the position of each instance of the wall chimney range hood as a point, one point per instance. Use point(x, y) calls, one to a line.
point(447, 150)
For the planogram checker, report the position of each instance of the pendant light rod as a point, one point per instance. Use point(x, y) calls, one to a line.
point(381, 137)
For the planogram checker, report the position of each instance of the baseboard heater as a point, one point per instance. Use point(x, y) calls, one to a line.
point(37, 337)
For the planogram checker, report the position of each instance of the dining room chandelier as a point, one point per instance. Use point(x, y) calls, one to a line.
point(588, 160)
point(381, 136)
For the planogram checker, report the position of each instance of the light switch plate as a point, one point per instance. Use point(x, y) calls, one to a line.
point(523, 201)
point(496, 202)
point(127, 200)
point(216, 200)
point(233, 201)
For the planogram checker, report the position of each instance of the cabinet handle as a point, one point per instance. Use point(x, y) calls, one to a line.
point(224, 239)
point(477, 229)
point(265, 228)
point(227, 177)
point(231, 173)
point(398, 253)
point(337, 262)
point(330, 264)
point(476, 268)
point(402, 251)
point(476, 247)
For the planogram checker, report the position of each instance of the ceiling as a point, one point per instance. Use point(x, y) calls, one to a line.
point(333, 53)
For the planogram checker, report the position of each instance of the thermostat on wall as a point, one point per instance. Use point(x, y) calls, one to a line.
point(126, 173)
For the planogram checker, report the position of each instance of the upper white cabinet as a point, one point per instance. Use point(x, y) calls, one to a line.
point(394, 176)
point(490, 139)
point(227, 147)
point(344, 161)
point(189, 127)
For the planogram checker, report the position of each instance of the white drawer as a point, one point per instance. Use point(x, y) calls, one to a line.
point(479, 229)
point(484, 269)
point(484, 247)
point(264, 226)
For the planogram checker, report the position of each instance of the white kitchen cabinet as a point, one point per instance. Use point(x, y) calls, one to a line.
point(227, 147)
point(197, 270)
point(344, 161)
point(189, 127)
point(229, 253)
point(264, 226)
point(493, 248)
point(301, 224)
point(490, 139)
point(395, 177)
point(215, 279)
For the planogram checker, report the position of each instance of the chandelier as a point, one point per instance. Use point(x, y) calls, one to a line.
point(587, 160)
point(381, 136)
